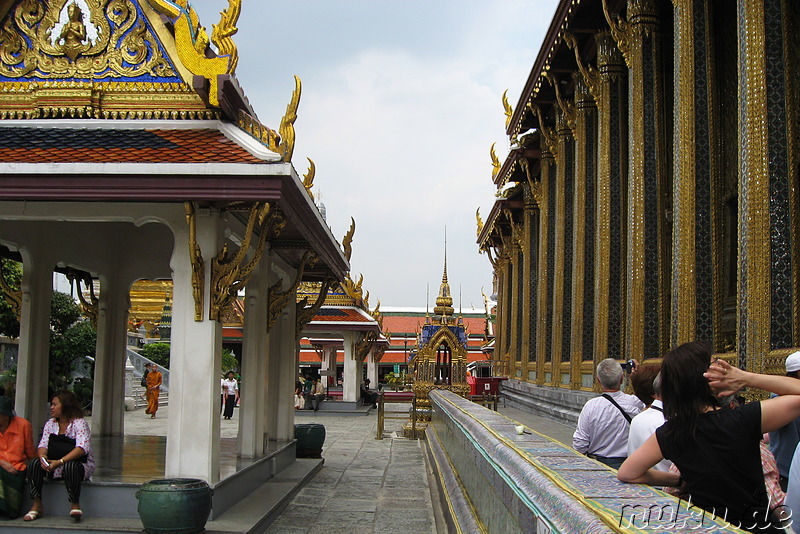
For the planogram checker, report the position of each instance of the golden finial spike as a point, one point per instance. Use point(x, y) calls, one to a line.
point(347, 242)
point(308, 178)
point(495, 161)
point(479, 221)
point(507, 108)
point(286, 129)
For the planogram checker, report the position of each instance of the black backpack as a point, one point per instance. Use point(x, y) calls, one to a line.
point(144, 379)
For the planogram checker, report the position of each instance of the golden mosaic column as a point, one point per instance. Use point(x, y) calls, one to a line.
point(696, 284)
point(583, 316)
point(563, 260)
point(530, 278)
point(648, 187)
point(544, 356)
point(500, 345)
point(612, 178)
point(513, 304)
point(768, 224)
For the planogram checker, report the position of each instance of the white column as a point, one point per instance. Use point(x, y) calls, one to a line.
point(195, 361)
point(351, 386)
point(34, 339)
point(252, 423)
point(287, 373)
point(108, 413)
point(372, 369)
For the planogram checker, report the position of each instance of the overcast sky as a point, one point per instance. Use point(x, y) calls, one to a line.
point(401, 101)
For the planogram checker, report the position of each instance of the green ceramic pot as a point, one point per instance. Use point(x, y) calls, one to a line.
point(174, 505)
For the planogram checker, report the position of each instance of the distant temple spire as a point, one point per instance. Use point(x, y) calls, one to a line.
point(444, 302)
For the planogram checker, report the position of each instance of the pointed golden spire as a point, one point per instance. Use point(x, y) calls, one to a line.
point(444, 302)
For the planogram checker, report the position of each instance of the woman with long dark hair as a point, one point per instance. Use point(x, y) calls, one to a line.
point(716, 449)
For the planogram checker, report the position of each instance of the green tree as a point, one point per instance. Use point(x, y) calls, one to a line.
point(157, 352)
point(67, 349)
point(229, 361)
point(64, 312)
point(9, 324)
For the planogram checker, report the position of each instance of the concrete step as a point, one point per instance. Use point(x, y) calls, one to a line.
point(253, 504)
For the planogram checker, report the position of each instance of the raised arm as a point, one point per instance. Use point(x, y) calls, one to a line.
point(775, 413)
point(725, 379)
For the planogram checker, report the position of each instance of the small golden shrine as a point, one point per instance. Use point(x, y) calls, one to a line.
point(441, 362)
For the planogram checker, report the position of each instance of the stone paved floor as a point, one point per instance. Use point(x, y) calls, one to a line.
point(365, 486)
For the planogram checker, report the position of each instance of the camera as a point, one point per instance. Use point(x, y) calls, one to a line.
point(628, 366)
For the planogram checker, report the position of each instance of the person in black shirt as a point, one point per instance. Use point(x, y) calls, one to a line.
point(715, 449)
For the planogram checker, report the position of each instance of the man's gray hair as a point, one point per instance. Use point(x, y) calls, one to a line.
point(609, 373)
point(657, 384)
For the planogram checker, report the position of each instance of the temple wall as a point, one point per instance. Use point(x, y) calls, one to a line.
point(658, 201)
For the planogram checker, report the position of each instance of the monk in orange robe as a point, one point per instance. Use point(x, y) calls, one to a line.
point(153, 390)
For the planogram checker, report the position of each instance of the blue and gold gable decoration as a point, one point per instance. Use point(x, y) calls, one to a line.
point(130, 59)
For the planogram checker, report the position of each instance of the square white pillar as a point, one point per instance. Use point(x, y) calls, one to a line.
point(255, 347)
point(34, 340)
point(195, 365)
point(351, 387)
point(108, 414)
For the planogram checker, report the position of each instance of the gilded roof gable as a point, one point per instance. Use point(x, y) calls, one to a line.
point(111, 59)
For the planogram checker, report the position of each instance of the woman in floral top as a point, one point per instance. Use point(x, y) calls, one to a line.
point(74, 466)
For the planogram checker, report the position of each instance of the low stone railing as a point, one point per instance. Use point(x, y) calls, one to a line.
point(492, 479)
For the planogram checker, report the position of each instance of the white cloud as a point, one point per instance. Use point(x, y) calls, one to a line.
point(401, 102)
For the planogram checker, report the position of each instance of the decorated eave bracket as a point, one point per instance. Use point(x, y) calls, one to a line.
point(279, 298)
point(230, 270)
point(12, 296)
point(88, 307)
point(306, 313)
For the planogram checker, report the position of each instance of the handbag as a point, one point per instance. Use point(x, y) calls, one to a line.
point(59, 445)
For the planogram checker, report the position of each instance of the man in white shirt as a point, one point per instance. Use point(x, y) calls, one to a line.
point(604, 422)
point(645, 424)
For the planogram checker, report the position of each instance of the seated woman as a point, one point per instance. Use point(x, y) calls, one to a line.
point(716, 449)
point(73, 462)
point(16, 448)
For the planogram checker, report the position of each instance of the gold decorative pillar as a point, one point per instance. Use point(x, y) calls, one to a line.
point(696, 284)
point(544, 356)
point(767, 176)
point(583, 314)
point(611, 95)
point(648, 185)
point(508, 305)
point(513, 302)
point(564, 231)
point(501, 270)
point(530, 279)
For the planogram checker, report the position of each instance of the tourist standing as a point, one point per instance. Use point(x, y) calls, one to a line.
point(154, 380)
point(604, 422)
point(230, 392)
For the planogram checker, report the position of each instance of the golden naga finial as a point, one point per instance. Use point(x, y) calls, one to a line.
point(191, 41)
point(221, 33)
point(353, 289)
point(308, 178)
point(286, 130)
point(507, 108)
point(479, 220)
point(347, 242)
point(495, 162)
